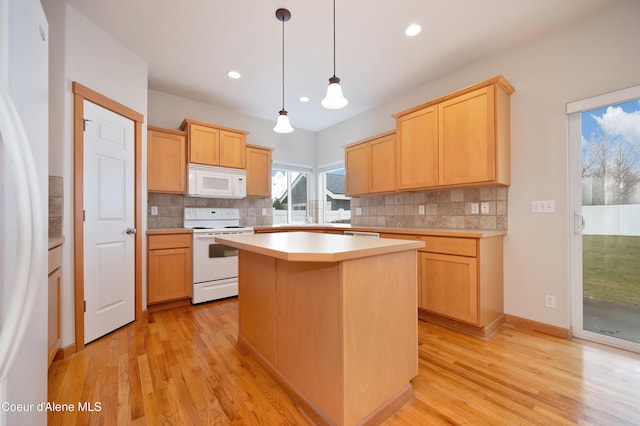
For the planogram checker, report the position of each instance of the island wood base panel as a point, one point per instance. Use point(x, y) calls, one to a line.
point(310, 410)
point(341, 337)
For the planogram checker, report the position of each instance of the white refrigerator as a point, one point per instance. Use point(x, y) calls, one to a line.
point(24, 164)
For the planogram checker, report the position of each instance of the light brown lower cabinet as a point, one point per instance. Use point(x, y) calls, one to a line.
point(55, 277)
point(169, 268)
point(461, 283)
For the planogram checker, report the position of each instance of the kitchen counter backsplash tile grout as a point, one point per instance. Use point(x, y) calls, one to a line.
point(444, 209)
point(171, 209)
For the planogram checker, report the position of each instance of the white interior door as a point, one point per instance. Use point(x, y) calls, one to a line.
point(109, 281)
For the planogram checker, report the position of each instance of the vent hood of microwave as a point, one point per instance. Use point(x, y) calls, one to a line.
point(217, 182)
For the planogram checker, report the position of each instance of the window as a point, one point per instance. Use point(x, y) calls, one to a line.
point(290, 194)
point(336, 205)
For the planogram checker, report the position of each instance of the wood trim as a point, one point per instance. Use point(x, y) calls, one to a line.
point(188, 121)
point(259, 147)
point(552, 330)
point(138, 219)
point(81, 93)
point(99, 99)
point(369, 139)
point(498, 80)
point(460, 326)
point(155, 307)
point(78, 228)
point(163, 130)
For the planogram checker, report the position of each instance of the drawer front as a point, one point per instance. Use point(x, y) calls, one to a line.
point(55, 258)
point(447, 245)
point(157, 242)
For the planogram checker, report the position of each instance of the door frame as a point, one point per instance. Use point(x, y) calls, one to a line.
point(574, 214)
point(80, 94)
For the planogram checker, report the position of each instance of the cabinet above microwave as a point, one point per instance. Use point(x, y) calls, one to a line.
point(213, 145)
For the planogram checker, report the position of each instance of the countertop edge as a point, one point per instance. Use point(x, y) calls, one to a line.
point(169, 231)
point(339, 256)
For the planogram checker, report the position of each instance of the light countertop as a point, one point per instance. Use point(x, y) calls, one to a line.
point(315, 247)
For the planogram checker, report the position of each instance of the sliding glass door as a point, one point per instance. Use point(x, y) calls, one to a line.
point(604, 138)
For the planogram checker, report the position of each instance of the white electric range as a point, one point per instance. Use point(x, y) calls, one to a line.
point(215, 266)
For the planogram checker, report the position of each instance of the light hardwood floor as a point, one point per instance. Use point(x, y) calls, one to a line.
point(184, 367)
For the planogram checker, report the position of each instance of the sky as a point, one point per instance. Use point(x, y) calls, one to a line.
point(620, 120)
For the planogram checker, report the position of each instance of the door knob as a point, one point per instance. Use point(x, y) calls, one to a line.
point(131, 231)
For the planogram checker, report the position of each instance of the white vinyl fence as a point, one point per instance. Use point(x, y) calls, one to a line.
point(612, 220)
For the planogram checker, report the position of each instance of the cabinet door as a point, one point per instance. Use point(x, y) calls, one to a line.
point(233, 149)
point(449, 286)
point(417, 149)
point(382, 171)
point(356, 160)
point(467, 138)
point(54, 314)
point(166, 162)
point(258, 172)
point(169, 275)
point(204, 145)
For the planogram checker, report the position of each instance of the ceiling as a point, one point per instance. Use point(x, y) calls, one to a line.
point(191, 45)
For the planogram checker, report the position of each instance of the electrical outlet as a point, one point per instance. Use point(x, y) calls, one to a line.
point(264, 211)
point(549, 301)
point(475, 208)
point(154, 210)
point(421, 209)
point(484, 208)
point(358, 211)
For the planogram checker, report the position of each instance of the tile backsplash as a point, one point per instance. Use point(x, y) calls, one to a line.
point(448, 209)
point(56, 208)
point(171, 209)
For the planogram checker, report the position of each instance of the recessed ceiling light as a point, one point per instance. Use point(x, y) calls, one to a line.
point(304, 99)
point(234, 74)
point(413, 30)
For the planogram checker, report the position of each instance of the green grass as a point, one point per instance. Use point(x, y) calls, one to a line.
point(611, 268)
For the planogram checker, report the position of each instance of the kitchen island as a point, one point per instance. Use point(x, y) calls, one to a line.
point(333, 320)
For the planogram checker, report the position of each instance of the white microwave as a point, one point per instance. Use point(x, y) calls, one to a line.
point(217, 182)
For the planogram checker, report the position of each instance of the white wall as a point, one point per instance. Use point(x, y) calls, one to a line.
point(594, 56)
point(82, 52)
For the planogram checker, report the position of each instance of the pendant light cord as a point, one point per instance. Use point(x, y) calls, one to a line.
point(283, 64)
point(334, 38)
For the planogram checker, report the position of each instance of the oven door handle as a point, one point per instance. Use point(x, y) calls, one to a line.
point(204, 237)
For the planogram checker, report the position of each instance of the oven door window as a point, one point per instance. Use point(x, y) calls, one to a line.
point(221, 250)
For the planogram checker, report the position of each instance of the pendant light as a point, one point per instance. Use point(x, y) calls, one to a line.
point(283, 125)
point(334, 99)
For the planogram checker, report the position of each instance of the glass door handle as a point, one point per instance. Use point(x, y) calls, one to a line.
point(578, 223)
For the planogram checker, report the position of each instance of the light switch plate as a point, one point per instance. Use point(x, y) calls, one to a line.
point(543, 206)
point(475, 208)
point(421, 209)
point(154, 210)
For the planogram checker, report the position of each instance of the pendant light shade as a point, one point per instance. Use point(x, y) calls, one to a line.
point(334, 99)
point(283, 125)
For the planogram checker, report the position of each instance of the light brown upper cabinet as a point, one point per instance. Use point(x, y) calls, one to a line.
point(460, 139)
point(371, 166)
point(166, 160)
point(215, 145)
point(417, 148)
point(258, 171)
